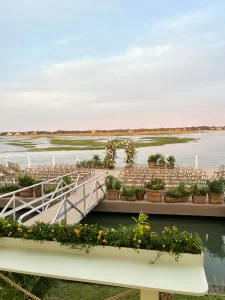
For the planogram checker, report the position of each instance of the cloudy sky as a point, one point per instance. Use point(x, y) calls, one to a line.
point(97, 64)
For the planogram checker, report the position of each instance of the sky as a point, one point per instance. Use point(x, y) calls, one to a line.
point(106, 64)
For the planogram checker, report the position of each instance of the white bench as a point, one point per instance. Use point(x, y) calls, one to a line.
point(109, 266)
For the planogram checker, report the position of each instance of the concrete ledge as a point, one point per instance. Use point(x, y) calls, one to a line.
point(162, 208)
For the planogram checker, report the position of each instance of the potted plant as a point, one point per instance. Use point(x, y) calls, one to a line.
point(178, 194)
point(6, 188)
point(199, 193)
point(98, 164)
point(161, 163)
point(38, 190)
point(154, 190)
point(49, 189)
point(140, 193)
point(152, 160)
point(113, 186)
point(66, 181)
point(26, 180)
point(170, 162)
point(216, 190)
point(128, 193)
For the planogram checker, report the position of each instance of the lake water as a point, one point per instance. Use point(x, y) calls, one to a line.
point(210, 149)
point(211, 231)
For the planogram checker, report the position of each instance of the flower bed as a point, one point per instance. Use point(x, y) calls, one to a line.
point(138, 236)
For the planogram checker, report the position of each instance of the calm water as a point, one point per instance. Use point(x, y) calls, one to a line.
point(211, 231)
point(210, 149)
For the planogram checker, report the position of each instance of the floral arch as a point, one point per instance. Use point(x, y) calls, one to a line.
point(112, 145)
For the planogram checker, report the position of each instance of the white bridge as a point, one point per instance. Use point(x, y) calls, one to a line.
point(70, 203)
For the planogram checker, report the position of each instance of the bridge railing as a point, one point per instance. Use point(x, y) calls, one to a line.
point(66, 204)
point(15, 200)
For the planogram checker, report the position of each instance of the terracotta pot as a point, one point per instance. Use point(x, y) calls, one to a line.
point(154, 196)
point(113, 194)
point(28, 193)
point(151, 164)
point(215, 199)
point(131, 198)
point(199, 199)
point(176, 200)
point(140, 196)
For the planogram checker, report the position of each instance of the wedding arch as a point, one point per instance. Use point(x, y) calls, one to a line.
point(112, 146)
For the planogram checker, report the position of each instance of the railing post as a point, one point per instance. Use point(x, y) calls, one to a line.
point(6, 161)
point(42, 194)
point(65, 210)
point(14, 207)
point(96, 187)
point(28, 162)
point(196, 161)
point(84, 200)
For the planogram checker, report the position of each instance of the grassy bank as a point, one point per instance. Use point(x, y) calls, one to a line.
point(22, 144)
point(76, 145)
point(55, 289)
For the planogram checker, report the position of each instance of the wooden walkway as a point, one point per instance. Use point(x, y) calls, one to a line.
point(73, 216)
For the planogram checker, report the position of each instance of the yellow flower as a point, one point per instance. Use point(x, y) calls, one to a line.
point(174, 228)
point(165, 228)
point(19, 229)
point(139, 241)
point(6, 221)
point(147, 227)
point(30, 230)
point(134, 239)
point(19, 225)
point(100, 232)
point(105, 241)
point(77, 231)
point(53, 230)
point(99, 237)
point(112, 229)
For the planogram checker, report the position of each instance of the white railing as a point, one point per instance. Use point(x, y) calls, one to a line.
point(63, 209)
point(14, 199)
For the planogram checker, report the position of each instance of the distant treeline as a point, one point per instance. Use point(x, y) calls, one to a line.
point(192, 128)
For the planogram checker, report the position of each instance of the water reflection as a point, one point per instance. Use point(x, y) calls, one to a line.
point(211, 231)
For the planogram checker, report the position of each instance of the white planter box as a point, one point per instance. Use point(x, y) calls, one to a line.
point(107, 265)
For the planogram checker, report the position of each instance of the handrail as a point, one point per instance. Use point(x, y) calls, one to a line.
point(37, 184)
point(60, 196)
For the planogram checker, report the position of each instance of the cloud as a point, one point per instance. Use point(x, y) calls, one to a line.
point(172, 82)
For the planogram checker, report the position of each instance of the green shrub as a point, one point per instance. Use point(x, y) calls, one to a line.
point(25, 180)
point(140, 191)
point(112, 183)
point(8, 187)
point(171, 160)
point(128, 192)
point(49, 189)
point(97, 160)
point(155, 184)
point(199, 190)
point(154, 157)
point(179, 191)
point(67, 180)
point(216, 186)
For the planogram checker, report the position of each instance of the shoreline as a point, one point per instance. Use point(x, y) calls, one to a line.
point(110, 133)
